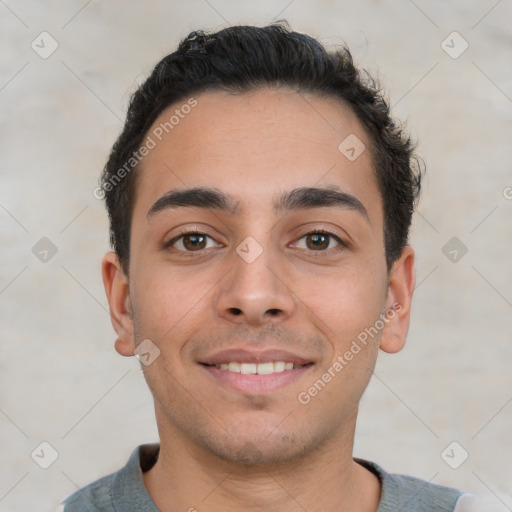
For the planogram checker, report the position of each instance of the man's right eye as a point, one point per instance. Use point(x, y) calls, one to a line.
point(190, 241)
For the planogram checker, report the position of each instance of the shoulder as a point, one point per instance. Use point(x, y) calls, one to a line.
point(96, 495)
point(403, 492)
point(124, 488)
point(422, 495)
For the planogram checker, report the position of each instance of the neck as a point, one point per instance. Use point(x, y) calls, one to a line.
point(188, 477)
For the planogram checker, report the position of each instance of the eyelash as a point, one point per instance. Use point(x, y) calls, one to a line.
point(341, 243)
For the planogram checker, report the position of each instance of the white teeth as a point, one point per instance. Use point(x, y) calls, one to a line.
point(279, 366)
point(234, 367)
point(248, 368)
point(257, 368)
point(265, 368)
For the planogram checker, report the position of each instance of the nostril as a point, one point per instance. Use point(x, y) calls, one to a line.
point(273, 312)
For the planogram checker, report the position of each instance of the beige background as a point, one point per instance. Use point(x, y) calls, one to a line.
point(61, 380)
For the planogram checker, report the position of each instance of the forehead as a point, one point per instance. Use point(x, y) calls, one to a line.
point(256, 145)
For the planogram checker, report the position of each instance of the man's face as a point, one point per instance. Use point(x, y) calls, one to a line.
point(259, 284)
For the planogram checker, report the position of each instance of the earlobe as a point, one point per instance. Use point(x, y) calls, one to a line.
point(117, 290)
point(398, 302)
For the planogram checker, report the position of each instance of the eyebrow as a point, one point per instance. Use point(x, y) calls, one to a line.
point(296, 199)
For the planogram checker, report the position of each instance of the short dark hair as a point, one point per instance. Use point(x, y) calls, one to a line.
point(243, 58)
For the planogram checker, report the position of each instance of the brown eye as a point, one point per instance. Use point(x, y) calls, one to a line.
point(194, 242)
point(190, 242)
point(320, 241)
point(317, 241)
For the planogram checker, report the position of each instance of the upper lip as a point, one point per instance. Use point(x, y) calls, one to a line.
point(245, 356)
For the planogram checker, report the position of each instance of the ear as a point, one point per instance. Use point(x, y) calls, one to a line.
point(398, 302)
point(116, 287)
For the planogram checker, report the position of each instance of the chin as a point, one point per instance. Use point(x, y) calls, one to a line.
point(251, 454)
point(265, 446)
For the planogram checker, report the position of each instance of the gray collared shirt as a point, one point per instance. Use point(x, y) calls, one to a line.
point(124, 491)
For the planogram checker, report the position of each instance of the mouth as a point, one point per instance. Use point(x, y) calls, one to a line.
point(255, 372)
point(267, 368)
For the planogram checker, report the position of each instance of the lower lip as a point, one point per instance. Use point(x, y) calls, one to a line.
point(254, 383)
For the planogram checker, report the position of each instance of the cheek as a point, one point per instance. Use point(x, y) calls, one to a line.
point(345, 303)
point(168, 301)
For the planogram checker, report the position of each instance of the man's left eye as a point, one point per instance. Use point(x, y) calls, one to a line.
point(320, 241)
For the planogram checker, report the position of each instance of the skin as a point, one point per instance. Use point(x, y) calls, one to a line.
point(223, 449)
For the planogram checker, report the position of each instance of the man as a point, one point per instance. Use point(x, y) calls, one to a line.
point(260, 198)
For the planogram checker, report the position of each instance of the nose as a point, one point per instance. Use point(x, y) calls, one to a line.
point(255, 292)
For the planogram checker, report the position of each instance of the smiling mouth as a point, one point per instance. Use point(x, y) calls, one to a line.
point(266, 368)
